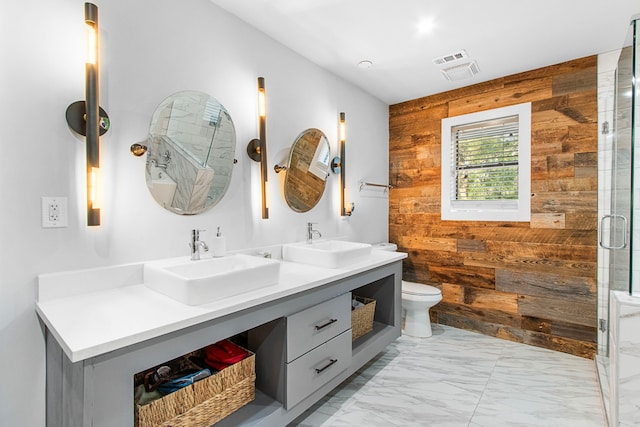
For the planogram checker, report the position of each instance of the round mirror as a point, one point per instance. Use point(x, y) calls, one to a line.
point(307, 171)
point(190, 157)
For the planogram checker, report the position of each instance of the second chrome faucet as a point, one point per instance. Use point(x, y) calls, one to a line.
point(311, 232)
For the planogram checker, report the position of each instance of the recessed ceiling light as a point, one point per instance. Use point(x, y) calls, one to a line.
point(425, 26)
point(365, 65)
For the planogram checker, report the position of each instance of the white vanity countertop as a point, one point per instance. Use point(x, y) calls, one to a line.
point(93, 312)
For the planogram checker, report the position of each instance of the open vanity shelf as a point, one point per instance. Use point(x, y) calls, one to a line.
point(98, 390)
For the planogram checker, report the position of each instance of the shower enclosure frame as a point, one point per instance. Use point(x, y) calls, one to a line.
point(618, 237)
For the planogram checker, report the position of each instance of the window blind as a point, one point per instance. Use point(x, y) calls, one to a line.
point(485, 160)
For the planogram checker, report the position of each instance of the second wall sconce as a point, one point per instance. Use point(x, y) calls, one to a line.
point(338, 166)
point(257, 148)
point(87, 118)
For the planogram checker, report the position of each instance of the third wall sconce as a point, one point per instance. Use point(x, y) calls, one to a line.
point(338, 165)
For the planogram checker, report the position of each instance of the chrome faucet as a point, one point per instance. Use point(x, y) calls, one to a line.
point(311, 232)
point(195, 244)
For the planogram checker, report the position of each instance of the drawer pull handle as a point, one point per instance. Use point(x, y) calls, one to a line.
point(330, 322)
point(331, 362)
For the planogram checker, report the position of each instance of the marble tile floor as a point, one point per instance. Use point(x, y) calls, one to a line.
point(459, 378)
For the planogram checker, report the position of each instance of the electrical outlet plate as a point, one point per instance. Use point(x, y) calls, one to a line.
point(54, 212)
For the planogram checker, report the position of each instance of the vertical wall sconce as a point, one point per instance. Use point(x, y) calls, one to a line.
point(257, 148)
point(338, 166)
point(87, 118)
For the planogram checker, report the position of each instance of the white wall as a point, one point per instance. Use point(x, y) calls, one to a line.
point(151, 49)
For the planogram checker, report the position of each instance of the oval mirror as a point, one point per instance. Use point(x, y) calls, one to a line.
point(190, 157)
point(307, 172)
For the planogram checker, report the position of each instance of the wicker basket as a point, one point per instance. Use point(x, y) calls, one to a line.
point(204, 402)
point(362, 317)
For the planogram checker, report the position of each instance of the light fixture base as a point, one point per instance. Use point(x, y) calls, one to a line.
point(253, 150)
point(138, 149)
point(76, 115)
point(93, 216)
point(336, 164)
point(348, 209)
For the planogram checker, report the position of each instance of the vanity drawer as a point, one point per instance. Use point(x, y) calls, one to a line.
point(309, 328)
point(316, 368)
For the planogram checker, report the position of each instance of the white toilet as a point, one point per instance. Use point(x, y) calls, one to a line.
point(417, 299)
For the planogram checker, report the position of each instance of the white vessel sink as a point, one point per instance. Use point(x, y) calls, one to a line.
point(327, 253)
point(210, 279)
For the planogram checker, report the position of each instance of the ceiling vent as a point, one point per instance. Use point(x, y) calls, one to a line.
point(461, 71)
point(450, 57)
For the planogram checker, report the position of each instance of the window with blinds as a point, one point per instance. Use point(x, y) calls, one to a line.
point(485, 155)
point(486, 165)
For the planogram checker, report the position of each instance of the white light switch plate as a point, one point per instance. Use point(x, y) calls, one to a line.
point(54, 212)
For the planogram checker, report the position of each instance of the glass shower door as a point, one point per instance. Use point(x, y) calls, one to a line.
point(620, 222)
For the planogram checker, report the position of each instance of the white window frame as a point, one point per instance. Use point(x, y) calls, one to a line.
point(488, 210)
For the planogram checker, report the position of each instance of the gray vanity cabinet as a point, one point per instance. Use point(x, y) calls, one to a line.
point(296, 338)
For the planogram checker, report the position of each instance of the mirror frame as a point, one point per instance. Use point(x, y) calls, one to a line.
point(191, 152)
point(304, 185)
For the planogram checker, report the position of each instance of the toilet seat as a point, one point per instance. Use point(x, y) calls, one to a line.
point(418, 289)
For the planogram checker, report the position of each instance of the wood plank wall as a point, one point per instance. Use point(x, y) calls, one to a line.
point(532, 282)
